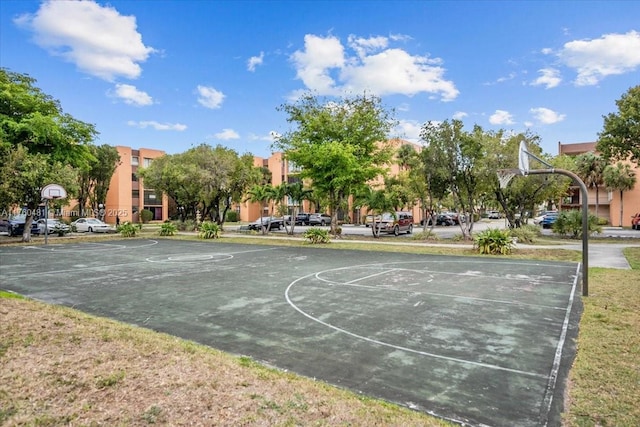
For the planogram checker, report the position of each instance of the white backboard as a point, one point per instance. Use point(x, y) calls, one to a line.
point(53, 191)
point(523, 158)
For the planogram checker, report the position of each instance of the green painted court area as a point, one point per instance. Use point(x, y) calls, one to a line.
point(479, 341)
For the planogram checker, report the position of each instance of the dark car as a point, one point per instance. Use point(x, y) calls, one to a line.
point(302, 218)
point(14, 226)
point(269, 222)
point(635, 222)
point(549, 219)
point(319, 219)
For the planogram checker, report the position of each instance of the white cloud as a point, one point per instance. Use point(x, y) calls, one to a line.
point(325, 67)
point(270, 137)
point(254, 61)
point(210, 97)
point(157, 126)
point(132, 96)
point(501, 117)
point(611, 54)
point(97, 39)
point(459, 115)
point(409, 130)
point(550, 77)
point(546, 116)
point(227, 134)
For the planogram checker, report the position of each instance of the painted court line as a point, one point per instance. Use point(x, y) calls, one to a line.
point(397, 347)
point(553, 375)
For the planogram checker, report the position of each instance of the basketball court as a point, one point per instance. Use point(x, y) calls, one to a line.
point(479, 341)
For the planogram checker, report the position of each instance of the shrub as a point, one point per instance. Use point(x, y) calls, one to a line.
point(494, 241)
point(209, 230)
point(569, 223)
point(317, 235)
point(232, 216)
point(128, 230)
point(186, 225)
point(425, 235)
point(526, 234)
point(146, 215)
point(168, 229)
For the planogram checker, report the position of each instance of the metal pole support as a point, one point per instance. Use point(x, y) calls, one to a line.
point(585, 220)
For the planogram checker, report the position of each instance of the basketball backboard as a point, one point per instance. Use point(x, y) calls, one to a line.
point(53, 191)
point(523, 158)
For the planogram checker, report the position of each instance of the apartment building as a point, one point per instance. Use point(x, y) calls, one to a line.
point(609, 203)
point(127, 194)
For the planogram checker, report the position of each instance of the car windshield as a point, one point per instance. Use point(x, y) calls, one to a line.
point(20, 217)
point(387, 216)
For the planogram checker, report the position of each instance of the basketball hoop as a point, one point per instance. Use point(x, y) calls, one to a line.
point(53, 191)
point(506, 175)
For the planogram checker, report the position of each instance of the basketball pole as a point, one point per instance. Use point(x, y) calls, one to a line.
point(585, 220)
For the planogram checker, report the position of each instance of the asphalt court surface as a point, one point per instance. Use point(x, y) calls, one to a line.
point(481, 341)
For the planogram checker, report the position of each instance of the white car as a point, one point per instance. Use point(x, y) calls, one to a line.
point(92, 225)
point(53, 226)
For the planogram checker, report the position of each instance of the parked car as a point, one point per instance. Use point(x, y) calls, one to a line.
point(14, 226)
point(494, 214)
point(52, 226)
point(269, 222)
point(539, 218)
point(370, 219)
point(455, 217)
point(396, 223)
point(549, 219)
point(302, 218)
point(635, 222)
point(92, 225)
point(319, 219)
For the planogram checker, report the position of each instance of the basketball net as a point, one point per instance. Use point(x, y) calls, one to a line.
point(506, 175)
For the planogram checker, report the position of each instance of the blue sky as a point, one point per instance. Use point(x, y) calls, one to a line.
point(174, 74)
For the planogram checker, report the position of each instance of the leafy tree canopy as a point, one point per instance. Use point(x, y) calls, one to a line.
point(339, 146)
point(620, 137)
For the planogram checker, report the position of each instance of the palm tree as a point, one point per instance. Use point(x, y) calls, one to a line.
point(378, 202)
point(590, 168)
point(262, 194)
point(619, 178)
point(297, 193)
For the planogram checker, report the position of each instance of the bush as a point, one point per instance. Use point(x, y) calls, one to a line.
point(146, 215)
point(168, 229)
point(493, 241)
point(128, 230)
point(425, 235)
point(232, 216)
point(569, 223)
point(209, 230)
point(186, 225)
point(317, 235)
point(526, 234)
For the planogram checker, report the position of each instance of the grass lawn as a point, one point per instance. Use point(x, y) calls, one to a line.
point(62, 367)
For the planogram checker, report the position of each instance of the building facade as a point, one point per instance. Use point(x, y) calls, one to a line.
point(127, 195)
point(610, 206)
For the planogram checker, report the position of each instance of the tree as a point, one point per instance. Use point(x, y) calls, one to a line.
point(456, 154)
point(95, 178)
point(378, 202)
point(620, 137)
point(39, 144)
point(263, 194)
point(619, 178)
point(296, 192)
point(590, 168)
point(24, 175)
point(338, 146)
point(204, 177)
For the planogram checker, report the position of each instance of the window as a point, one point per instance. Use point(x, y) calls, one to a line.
point(146, 162)
point(135, 194)
point(134, 177)
point(134, 160)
